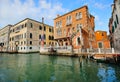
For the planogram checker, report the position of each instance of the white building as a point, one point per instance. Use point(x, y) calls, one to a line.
point(116, 24)
point(4, 38)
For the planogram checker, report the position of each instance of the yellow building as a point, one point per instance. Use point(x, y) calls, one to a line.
point(26, 35)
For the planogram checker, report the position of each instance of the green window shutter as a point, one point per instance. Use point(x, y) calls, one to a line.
point(115, 24)
point(117, 19)
point(112, 29)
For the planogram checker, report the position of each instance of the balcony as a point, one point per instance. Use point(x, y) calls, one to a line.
point(69, 24)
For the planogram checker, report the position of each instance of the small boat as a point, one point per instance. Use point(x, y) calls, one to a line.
point(51, 50)
point(99, 58)
point(107, 58)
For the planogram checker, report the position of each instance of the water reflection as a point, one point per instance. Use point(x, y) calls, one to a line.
point(106, 74)
point(41, 68)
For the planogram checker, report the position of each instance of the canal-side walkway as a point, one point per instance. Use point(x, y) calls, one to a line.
point(106, 55)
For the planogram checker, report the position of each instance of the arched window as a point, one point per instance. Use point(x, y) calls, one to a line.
point(66, 43)
point(44, 28)
point(39, 36)
point(40, 27)
point(49, 37)
point(31, 25)
point(30, 35)
point(78, 40)
point(30, 42)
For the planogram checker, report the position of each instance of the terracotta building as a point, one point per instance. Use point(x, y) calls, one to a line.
point(101, 40)
point(74, 28)
point(26, 36)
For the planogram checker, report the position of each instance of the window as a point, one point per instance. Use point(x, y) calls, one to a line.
point(13, 30)
point(102, 34)
point(24, 42)
point(117, 19)
point(66, 43)
point(78, 15)
point(56, 24)
point(68, 20)
point(78, 40)
point(45, 43)
point(115, 24)
point(10, 31)
point(39, 36)
point(24, 35)
point(30, 42)
point(25, 24)
point(30, 48)
point(44, 28)
point(100, 45)
point(59, 24)
point(22, 26)
point(49, 37)
point(24, 48)
point(21, 35)
point(59, 32)
point(40, 27)
point(79, 26)
point(50, 30)
point(21, 43)
point(30, 35)
point(12, 38)
point(31, 25)
point(112, 29)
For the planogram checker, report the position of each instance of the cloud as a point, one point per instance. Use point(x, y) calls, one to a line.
point(100, 5)
point(13, 11)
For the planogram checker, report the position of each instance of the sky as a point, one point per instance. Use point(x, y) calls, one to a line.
point(13, 11)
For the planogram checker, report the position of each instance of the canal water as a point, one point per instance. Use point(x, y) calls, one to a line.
point(41, 68)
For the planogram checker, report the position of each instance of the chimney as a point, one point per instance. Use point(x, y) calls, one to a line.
point(113, 5)
point(58, 15)
point(42, 19)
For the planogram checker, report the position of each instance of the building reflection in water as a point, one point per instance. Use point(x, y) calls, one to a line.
point(41, 68)
point(106, 73)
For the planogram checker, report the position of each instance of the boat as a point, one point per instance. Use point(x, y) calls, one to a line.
point(99, 58)
point(48, 50)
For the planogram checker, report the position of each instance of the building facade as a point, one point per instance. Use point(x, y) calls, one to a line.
point(111, 30)
point(74, 28)
point(4, 38)
point(101, 40)
point(114, 25)
point(27, 35)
